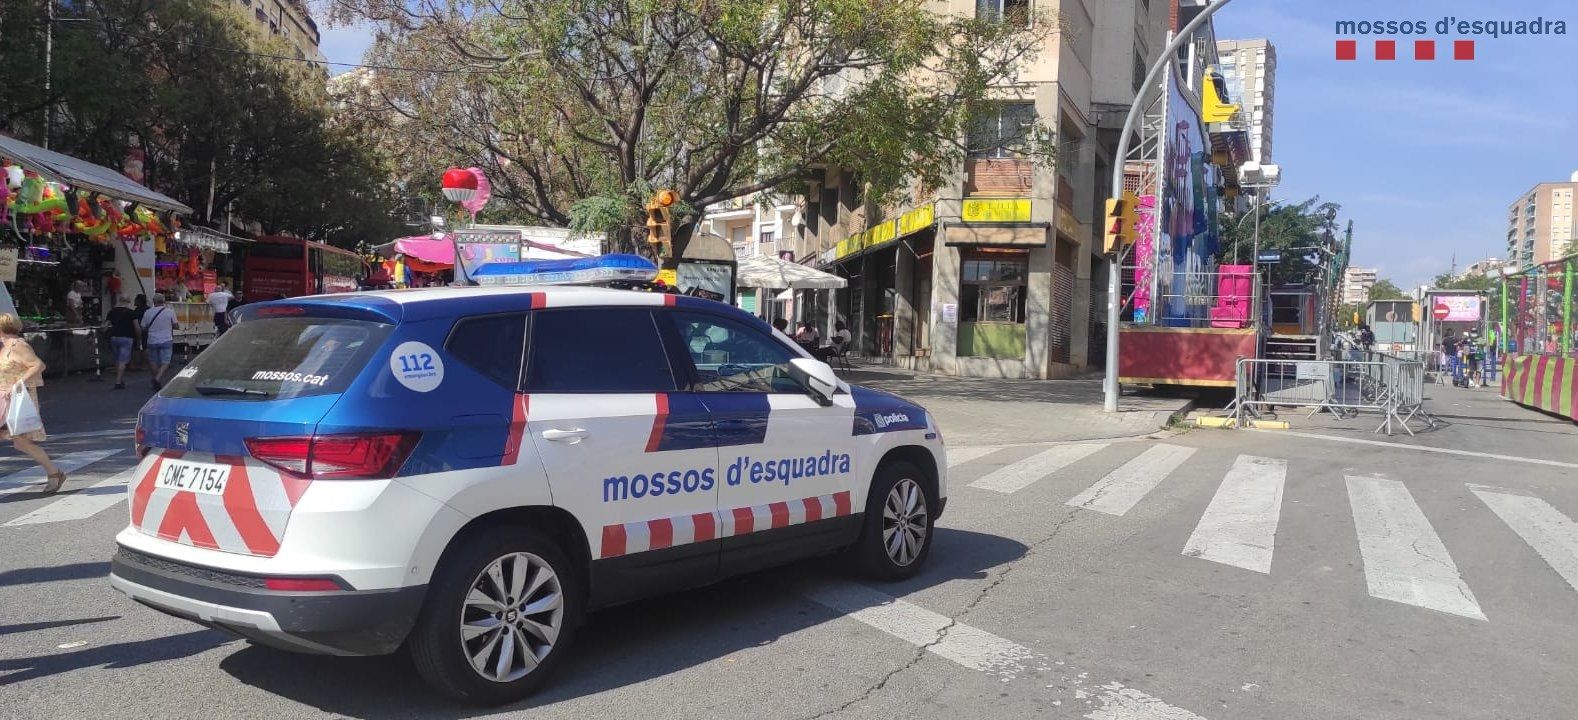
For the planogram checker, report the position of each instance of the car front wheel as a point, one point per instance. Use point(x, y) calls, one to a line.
point(500, 614)
point(897, 535)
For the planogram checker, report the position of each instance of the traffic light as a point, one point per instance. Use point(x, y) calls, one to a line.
point(658, 230)
point(1120, 221)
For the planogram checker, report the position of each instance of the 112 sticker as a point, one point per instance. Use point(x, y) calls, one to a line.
point(417, 366)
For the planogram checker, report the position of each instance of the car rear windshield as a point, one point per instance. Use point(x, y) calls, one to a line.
point(280, 358)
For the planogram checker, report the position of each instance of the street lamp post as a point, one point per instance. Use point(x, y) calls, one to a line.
point(1257, 177)
point(1254, 176)
point(1115, 260)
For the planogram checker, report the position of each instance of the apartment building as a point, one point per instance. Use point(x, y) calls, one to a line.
point(290, 20)
point(999, 273)
point(1356, 284)
point(1250, 69)
point(1540, 224)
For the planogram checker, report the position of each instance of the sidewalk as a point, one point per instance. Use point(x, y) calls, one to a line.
point(992, 411)
point(81, 402)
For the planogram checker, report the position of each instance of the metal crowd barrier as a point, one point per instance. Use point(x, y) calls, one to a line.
point(1406, 378)
point(1387, 385)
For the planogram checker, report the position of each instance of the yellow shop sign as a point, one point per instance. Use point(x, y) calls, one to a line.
point(913, 221)
point(995, 210)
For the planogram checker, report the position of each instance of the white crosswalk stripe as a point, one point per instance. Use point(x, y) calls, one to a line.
point(1121, 489)
point(960, 455)
point(1404, 559)
point(81, 504)
point(1553, 535)
point(1239, 527)
point(29, 480)
point(1020, 475)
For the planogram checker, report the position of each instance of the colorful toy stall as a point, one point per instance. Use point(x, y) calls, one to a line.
point(74, 236)
point(1537, 338)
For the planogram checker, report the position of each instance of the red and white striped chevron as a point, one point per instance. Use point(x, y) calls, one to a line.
point(248, 519)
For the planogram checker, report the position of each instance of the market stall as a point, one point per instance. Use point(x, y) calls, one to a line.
point(73, 237)
point(189, 265)
point(426, 260)
point(1536, 336)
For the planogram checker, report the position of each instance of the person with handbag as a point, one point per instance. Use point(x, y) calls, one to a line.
point(21, 374)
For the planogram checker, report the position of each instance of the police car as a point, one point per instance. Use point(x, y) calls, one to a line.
point(463, 473)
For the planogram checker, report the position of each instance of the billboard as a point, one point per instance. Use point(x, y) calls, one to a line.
point(1186, 246)
point(1455, 308)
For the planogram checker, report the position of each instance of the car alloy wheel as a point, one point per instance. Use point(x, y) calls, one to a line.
point(511, 617)
point(904, 522)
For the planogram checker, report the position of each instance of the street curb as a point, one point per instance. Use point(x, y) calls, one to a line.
point(1179, 415)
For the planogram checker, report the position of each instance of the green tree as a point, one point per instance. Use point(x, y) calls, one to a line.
point(1385, 289)
point(1303, 234)
point(225, 124)
point(1445, 281)
point(579, 109)
point(1347, 313)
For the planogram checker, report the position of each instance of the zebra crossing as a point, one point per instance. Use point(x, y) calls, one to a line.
point(1403, 556)
point(97, 483)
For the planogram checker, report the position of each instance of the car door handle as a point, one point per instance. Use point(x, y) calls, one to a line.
point(572, 435)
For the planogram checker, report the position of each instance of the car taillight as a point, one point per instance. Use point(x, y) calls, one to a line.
point(286, 584)
point(372, 456)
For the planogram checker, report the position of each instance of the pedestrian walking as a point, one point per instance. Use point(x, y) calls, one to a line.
point(123, 337)
point(220, 300)
point(159, 324)
point(19, 365)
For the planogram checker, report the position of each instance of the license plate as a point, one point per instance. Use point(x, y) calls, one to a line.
point(206, 478)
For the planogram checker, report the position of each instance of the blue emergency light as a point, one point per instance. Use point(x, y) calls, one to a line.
point(577, 271)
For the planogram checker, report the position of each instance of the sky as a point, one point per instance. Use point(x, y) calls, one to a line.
point(1424, 156)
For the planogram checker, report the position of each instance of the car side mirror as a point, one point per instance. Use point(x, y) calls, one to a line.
point(816, 377)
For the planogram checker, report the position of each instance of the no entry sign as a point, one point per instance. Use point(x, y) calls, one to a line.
point(1440, 312)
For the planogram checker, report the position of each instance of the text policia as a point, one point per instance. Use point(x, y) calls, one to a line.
point(1452, 25)
point(676, 482)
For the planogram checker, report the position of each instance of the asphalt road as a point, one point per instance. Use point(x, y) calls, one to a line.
point(1322, 573)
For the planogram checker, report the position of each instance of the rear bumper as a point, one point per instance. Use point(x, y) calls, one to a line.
point(351, 622)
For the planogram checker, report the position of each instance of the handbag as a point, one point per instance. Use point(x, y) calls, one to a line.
point(21, 415)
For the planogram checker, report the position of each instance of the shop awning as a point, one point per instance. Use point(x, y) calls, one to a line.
point(761, 271)
point(83, 175)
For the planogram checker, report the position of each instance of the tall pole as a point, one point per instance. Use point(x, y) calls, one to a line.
point(1254, 259)
point(49, 54)
point(1119, 160)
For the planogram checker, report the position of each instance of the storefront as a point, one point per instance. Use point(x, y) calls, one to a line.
point(75, 237)
point(888, 269)
point(1013, 313)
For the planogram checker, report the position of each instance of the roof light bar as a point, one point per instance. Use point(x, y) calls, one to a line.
point(577, 271)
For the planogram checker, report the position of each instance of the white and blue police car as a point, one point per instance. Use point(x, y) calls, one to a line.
point(464, 472)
